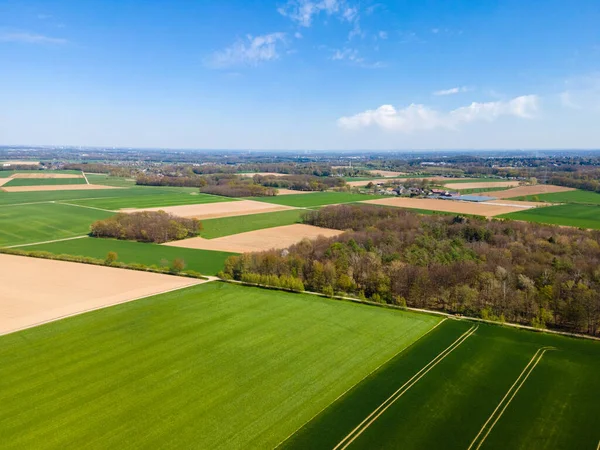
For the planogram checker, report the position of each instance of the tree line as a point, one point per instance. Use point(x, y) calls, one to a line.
point(500, 270)
point(146, 226)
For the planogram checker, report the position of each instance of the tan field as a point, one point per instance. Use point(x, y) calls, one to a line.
point(264, 174)
point(292, 192)
point(386, 173)
point(45, 175)
point(518, 203)
point(259, 240)
point(387, 180)
point(522, 191)
point(3, 181)
point(20, 163)
point(65, 187)
point(486, 209)
point(482, 184)
point(34, 291)
point(214, 210)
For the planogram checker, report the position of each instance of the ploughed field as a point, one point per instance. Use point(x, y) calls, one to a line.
point(227, 366)
point(212, 366)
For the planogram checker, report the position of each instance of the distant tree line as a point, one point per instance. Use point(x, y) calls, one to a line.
point(300, 182)
point(146, 226)
point(499, 270)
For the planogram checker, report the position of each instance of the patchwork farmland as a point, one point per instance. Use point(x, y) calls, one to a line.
point(232, 366)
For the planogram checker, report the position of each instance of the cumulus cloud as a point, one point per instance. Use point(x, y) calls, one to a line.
point(452, 91)
point(249, 51)
point(420, 117)
point(31, 38)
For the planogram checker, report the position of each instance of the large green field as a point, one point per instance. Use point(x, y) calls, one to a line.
point(44, 182)
point(106, 180)
point(584, 197)
point(573, 215)
point(22, 224)
point(417, 401)
point(225, 226)
point(213, 366)
point(203, 261)
point(316, 199)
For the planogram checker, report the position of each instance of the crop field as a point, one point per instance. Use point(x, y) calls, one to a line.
point(225, 226)
point(316, 199)
point(106, 180)
point(204, 261)
point(23, 224)
point(226, 366)
point(572, 215)
point(43, 181)
point(469, 386)
point(578, 196)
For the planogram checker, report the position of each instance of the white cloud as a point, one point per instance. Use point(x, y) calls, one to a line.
point(298, 35)
point(30, 38)
point(303, 11)
point(251, 51)
point(420, 117)
point(582, 92)
point(452, 91)
point(352, 55)
point(382, 35)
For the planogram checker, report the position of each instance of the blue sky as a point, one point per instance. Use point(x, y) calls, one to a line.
point(301, 74)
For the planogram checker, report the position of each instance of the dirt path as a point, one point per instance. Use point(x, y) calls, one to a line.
point(48, 242)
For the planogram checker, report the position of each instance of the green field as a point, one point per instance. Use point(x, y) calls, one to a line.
point(106, 180)
point(584, 197)
point(555, 407)
point(203, 261)
point(572, 215)
point(44, 182)
point(479, 190)
point(213, 366)
point(24, 224)
point(225, 226)
point(134, 197)
point(316, 199)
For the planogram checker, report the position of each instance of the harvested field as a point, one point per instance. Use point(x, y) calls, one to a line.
point(3, 181)
point(482, 184)
point(528, 190)
point(213, 210)
point(486, 209)
point(264, 174)
point(292, 192)
point(20, 163)
point(61, 187)
point(34, 290)
point(45, 175)
point(386, 180)
point(257, 241)
point(386, 173)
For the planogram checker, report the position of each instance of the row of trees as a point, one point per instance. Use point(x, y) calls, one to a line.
point(500, 270)
point(300, 182)
point(146, 226)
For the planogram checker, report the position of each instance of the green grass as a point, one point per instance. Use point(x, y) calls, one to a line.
point(44, 182)
point(583, 197)
point(316, 199)
point(450, 404)
point(225, 226)
point(474, 180)
point(204, 261)
point(135, 197)
point(43, 222)
point(213, 366)
point(479, 190)
point(572, 215)
point(106, 180)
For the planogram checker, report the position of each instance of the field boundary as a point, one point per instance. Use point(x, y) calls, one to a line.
point(362, 379)
point(521, 379)
point(48, 242)
point(58, 202)
point(368, 421)
point(420, 310)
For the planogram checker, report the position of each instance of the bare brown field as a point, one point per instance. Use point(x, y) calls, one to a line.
point(259, 240)
point(386, 173)
point(482, 184)
point(387, 180)
point(61, 187)
point(264, 174)
point(522, 191)
point(519, 203)
point(292, 192)
point(21, 163)
point(34, 291)
point(214, 210)
point(3, 181)
point(45, 175)
point(486, 209)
